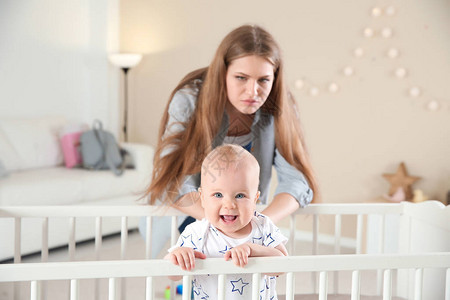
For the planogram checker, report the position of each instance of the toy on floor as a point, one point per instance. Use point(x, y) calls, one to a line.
point(167, 291)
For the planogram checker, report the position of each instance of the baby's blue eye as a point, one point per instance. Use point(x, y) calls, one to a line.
point(218, 195)
point(240, 196)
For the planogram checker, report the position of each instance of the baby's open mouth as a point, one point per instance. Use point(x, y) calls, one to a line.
point(228, 218)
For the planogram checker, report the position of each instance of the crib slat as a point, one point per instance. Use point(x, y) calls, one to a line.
point(123, 238)
point(44, 253)
point(337, 233)
point(17, 250)
point(418, 283)
point(381, 234)
point(112, 289)
point(359, 231)
point(98, 248)
point(323, 285)
point(148, 238)
point(149, 292)
point(221, 286)
point(33, 291)
point(256, 280)
point(447, 285)
point(17, 238)
point(387, 285)
point(187, 287)
point(337, 249)
point(315, 244)
point(292, 235)
point(380, 251)
point(121, 283)
point(98, 237)
point(315, 249)
point(174, 231)
point(74, 289)
point(72, 223)
point(290, 286)
point(42, 285)
point(356, 285)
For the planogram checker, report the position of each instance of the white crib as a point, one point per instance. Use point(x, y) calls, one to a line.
point(419, 268)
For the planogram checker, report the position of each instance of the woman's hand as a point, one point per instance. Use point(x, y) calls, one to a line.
point(190, 205)
point(281, 206)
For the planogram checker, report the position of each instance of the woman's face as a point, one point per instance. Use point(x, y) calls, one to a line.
point(249, 82)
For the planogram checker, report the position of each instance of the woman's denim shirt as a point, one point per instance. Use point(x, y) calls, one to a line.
point(290, 180)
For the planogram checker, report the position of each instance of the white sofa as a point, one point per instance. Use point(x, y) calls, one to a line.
point(32, 173)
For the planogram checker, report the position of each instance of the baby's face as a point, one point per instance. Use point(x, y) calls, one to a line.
point(229, 198)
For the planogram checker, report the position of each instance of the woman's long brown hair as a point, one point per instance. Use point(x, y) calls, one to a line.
point(190, 147)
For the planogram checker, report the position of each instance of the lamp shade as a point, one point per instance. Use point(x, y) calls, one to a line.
point(125, 60)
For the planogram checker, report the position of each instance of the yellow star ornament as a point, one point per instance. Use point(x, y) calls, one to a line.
point(401, 179)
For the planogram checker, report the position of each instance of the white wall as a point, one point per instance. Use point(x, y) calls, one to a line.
point(53, 59)
point(355, 135)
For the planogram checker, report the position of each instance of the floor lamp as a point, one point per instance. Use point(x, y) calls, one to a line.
point(125, 61)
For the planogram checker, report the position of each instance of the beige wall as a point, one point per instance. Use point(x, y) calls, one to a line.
point(355, 135)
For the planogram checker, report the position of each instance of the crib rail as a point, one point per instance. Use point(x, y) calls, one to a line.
point(148, 269)
point(216, 266)
point(361, 211)
point(99, 212)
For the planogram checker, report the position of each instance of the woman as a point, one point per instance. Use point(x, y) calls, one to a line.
point(241, 98)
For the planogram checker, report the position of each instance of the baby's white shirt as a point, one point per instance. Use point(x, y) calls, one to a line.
point(204, 237)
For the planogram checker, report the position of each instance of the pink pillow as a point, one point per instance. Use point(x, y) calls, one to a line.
point(70, 143)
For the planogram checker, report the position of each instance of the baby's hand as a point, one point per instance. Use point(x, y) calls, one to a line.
point(239, 255)
point(185, 257)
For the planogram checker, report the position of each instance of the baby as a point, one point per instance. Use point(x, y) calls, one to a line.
point(232, 228)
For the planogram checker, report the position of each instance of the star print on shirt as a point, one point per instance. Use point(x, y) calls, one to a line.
point(261, 291)
point(225, 250)
point(197, 289)
point(261, 298)
point(214, 230)
point(265, 286)
point(205, 295)
point(186, 241)
point(257, 240)
point(238, 285)
point(259, 215)
point(266, 242)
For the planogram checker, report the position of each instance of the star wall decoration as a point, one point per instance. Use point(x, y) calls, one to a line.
point(401, 180)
